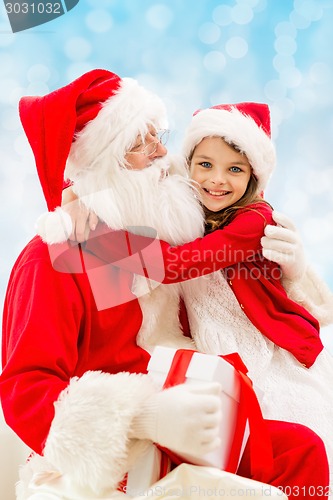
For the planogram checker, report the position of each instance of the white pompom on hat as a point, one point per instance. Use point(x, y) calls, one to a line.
point(245, 125)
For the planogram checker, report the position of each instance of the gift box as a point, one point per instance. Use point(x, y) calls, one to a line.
point(206, 368)
point(240, 407)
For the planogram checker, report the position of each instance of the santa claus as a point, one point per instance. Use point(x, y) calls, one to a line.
point(74, 385)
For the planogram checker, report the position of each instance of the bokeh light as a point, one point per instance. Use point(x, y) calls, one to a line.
point(236, 47)
point(209, 33)
point(159, 16)
point(242, 13)
point(99, 21)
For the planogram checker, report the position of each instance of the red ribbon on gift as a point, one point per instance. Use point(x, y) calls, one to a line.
point(261, 454)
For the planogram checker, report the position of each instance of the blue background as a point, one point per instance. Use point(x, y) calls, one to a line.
point(193, 54)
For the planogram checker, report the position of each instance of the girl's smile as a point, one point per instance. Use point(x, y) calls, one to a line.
point(216, 193)
point(222, 173)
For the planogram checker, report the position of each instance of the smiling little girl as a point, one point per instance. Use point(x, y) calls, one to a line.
point(244, 308)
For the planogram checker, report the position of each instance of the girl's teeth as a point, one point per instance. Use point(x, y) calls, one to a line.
point(217, 193)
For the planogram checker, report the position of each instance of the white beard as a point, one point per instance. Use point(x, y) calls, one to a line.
point(149, 198)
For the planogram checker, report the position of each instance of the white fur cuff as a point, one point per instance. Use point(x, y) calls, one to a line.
point(313, 294)
point(88, 438)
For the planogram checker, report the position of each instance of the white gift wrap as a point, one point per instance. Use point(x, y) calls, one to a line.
point(144, 473)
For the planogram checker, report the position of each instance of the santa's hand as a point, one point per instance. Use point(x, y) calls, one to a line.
point(185, 418)
point(83, 220)
point(282, 244)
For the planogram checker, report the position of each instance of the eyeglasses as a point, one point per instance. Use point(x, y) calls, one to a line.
point(149, 149)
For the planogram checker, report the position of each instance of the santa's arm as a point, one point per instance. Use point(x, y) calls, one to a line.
point(283, 245)
point(81, 424)
point(312, 293)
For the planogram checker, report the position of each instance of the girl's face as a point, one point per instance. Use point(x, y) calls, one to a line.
point(221, 172)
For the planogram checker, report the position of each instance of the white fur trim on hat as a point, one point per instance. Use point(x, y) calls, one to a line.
point(123, 116)
point(238, 129)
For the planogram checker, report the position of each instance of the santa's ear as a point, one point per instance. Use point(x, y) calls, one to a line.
point(54, 227)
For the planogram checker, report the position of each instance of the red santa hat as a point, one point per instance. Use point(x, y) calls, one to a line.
point(97, 110)
point(245, 125)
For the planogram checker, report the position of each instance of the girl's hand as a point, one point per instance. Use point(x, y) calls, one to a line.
point(83, 220)
point(282, 244)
